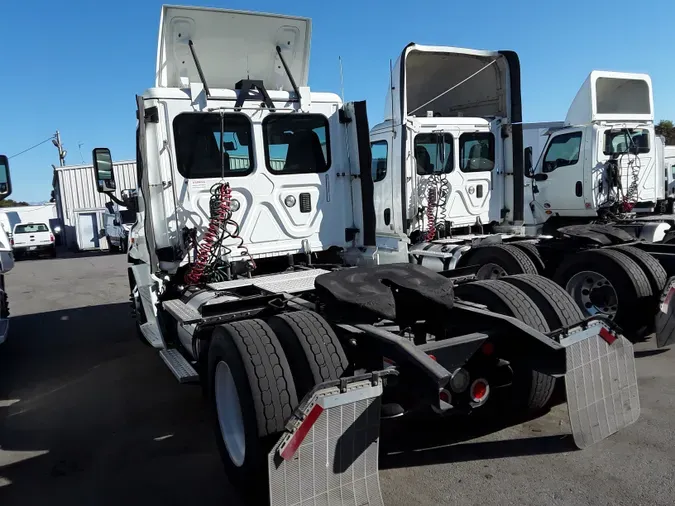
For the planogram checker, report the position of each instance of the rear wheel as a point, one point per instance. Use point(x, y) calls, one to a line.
point(532, 389)
point(652, 268)
point(498, 260)
point(530, 249)
point(111, 247)
point(607, 282)
point(556, 305)
point(312, 348)
point(252, 396)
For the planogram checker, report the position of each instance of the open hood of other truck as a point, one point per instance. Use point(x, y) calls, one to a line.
point(429, 71)
point(612, 96)
point(231, 46)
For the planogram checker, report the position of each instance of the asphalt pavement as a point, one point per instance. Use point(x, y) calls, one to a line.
point(89, 415)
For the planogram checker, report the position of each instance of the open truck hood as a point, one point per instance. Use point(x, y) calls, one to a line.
point(612, 96)
point(231, 44)
point(425, 72)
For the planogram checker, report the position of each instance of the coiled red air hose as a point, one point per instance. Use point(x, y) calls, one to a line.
point(431, 215)
point(219, 216)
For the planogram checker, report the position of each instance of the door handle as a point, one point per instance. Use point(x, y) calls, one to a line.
point(579, 189)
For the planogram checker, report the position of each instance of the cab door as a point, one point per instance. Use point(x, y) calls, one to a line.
point(559, 178)
point(383, 184)
point(476, 157)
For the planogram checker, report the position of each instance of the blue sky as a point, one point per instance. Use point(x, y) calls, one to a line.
point(76, 66)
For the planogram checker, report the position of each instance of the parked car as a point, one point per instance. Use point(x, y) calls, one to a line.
point(33, 238)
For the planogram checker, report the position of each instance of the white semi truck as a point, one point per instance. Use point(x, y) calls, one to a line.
point(456, 185)
point(256, 268)
point(6, 253)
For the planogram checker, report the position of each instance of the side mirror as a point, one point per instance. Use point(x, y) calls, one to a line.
point(528, 161)
point(5, 180)
point(103, 167)
point(116, 222)
point(540, 177)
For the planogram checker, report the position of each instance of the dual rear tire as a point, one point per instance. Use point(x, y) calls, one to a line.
point(622, 283)
point(537, 302)
point(258, 372)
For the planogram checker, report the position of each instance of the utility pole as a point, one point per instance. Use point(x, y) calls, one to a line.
point(62, 152)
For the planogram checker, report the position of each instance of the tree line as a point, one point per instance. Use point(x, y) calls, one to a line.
point(666, 128)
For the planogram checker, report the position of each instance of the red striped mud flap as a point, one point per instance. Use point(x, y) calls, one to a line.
point(329, 454)
point(665, 318)
point(601, 383)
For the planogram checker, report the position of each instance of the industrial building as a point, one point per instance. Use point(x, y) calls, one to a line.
point(80, 207)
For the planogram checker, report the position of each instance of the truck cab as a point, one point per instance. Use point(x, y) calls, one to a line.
point(603, 159)
point(6, 252)
point(447, 152)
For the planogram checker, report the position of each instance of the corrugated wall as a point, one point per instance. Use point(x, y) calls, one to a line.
point(76, 189)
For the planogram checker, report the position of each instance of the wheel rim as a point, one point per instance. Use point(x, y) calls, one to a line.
point(230, 417)
point(593, 293)
point(491, 271)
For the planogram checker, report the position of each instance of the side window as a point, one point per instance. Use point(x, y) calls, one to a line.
point(378, 168)
point(562, 151)
point(434, 154)
point(296, 143)
point(672, 171)
point(476, 152)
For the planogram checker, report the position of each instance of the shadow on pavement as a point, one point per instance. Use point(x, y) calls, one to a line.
point(90, 416)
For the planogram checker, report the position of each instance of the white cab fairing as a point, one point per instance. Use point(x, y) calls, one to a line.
point(231, 45)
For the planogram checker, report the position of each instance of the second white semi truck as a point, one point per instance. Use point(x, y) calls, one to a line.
point(457, 185)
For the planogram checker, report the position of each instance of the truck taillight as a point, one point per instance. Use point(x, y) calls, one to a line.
point(51, 237)
point(11, 242)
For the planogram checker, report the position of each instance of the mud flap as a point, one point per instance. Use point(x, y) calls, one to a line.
point(665, 318)
point(601, 384)
point(329, 452)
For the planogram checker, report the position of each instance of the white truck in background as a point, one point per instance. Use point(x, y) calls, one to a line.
point(33, 238)
point(117, 223)
point(669, 166)
point(6, 253)
point(456, 182)
point(256, 269)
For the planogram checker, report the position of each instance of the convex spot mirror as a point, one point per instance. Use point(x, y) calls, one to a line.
point(103, 167)
point(5, 180)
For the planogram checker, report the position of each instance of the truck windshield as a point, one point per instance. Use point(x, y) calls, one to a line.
point(198, 141)
point(476, 151)
point(128, 216)
point(429, 154)
point(626, 140)
point(296, 143)
point(30, 228)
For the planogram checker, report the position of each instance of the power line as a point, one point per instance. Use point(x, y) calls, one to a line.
point(32, 147)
